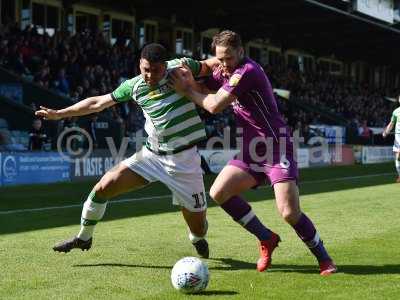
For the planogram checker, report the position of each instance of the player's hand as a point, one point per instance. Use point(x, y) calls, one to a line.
point(181, 79)
point(47, 113)
point(384, 134)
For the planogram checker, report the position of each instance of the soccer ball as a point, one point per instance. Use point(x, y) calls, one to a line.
point(189, 275)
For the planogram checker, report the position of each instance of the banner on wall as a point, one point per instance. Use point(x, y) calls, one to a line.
point(375, 154)
point(319, 156)
point(303, 158)
point(342, 156)
point(33, 167)
point(94, 166)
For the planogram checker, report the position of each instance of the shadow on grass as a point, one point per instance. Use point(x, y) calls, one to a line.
point(346, 269)
point(313, 181)
point(228, 264)
point(215, 293)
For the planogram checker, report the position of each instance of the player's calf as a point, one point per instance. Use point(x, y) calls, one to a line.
point(92, 212)
point(307, 232)
point(397, 163)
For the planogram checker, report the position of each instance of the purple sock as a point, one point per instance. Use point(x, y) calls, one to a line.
point(305, 229)
point(241, 212)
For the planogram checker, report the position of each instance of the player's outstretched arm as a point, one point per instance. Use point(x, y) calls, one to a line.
point(388, 129)
point(84, 107)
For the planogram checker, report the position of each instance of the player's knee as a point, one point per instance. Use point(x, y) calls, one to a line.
point(217, 194)
point(104, 189)
point(101, 192)
point(291, 216)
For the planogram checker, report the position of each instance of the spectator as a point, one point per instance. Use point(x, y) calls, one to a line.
point(61, 83)
point(37, 136)
point(352, 133)
point(366, 134)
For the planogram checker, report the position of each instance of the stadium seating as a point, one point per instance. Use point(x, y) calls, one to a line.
point(61, 77)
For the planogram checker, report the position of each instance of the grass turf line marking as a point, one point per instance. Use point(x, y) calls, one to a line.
point(16, 211)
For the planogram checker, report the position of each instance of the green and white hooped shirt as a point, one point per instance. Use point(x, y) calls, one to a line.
point(396, 120)
point(172, 121)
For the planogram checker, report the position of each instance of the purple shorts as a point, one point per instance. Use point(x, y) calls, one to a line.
point(281, 170)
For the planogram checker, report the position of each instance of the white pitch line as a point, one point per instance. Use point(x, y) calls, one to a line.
point(346, 178)
point(9, 212)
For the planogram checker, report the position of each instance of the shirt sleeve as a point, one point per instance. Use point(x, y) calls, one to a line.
point(394, 118)
point(212, 83)
point(124, 92)
point(240, 82)
point(194, 65)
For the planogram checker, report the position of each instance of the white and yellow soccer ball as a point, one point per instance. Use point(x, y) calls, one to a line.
point(190, 275)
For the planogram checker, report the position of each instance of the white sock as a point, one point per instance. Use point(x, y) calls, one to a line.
point(397, 162)
point(92, 212)
point(194, 238)
point(86, 232)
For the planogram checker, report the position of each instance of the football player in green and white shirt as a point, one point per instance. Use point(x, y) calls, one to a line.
point(170, 155)
point(395, 123)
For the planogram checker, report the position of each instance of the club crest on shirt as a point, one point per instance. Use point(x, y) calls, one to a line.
point(165, 89)
point(234, 80)
point(285, 163)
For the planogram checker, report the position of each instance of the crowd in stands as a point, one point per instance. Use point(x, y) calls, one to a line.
point(340, 95)
point(76, 66)
point(81, 66)
point(86, 64)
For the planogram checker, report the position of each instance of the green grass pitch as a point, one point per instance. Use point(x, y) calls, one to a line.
point(356, 209)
